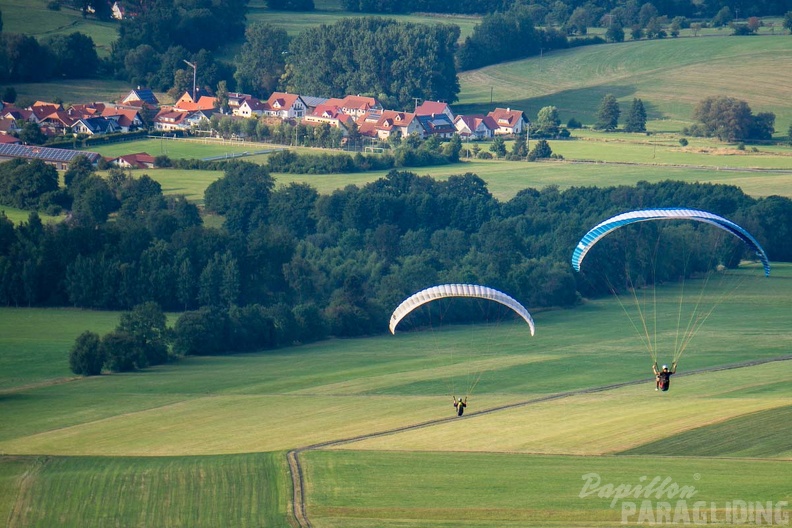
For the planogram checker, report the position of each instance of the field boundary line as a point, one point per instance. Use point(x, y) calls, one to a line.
point(299, 510)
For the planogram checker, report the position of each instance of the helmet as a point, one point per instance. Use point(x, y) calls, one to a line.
point(665, 367)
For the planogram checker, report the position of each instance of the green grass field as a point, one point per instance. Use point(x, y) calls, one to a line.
point(203, 442)
point(670, 76)
point(391, 488)
point(33, 18)
point(205, 439)
point(242, 490)
point(592, 159)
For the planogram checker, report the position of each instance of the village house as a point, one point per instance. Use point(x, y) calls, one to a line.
point(128, 118)
point(140, 95)
point(333, 116)
point(382, 125)
point(475, 127)
point(510, 122)
point(285, 106)
point(169, 120)
point(58, 158)
point(312, 103)
point(95, 125)
point(439, 125)
point(6, 138)
point(430, 108)
point(235, 99)
point(250, 107)
point(202, 101)
point(141, 160)
point(357, 105)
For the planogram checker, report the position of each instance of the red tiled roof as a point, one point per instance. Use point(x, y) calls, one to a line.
point(431, 108)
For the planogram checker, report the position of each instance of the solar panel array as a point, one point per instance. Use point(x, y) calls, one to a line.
point(44, 153)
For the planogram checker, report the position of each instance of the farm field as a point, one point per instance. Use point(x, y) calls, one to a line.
point(33, 18)
point(21, 215)
point(207, 441)
point(522, 465)
point(331, 12)
point(608, 159)
point(670, 76)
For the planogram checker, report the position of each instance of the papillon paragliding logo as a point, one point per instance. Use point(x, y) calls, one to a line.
point(654, 246)
point(433, 307)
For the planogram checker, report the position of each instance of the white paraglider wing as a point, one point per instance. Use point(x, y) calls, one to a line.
point(457, 290)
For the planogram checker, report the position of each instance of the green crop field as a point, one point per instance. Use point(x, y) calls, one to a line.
point(202, 442)
point(331, 12)
point(33, 18)
point(592, 159)
point(670, 76)
point(20, 215)
point(243, 490)
point(180, 148)
point(557, 423)
point(391, 488)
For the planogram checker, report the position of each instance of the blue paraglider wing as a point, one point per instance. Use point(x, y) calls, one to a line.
point(611, 224)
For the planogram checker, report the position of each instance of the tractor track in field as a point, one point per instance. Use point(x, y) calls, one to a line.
point(298, 477)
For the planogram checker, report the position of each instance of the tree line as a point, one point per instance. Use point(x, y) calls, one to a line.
point(305, 265)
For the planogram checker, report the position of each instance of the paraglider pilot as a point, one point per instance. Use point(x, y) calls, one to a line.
point(459, 405)
point(663, 377)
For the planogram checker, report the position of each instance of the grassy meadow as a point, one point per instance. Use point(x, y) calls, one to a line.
point(593, 159)
point(202, 442)
point(670, 76)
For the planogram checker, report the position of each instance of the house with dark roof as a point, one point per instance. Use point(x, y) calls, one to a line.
point(141, 94)
point(439, 125)
point(235, 99)
point(250, 107)
point(95, 125)
point(311, 103)
point(59, 158)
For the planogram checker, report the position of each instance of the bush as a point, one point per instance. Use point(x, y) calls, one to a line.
point(484, 155)
point(574, 123)
point(87, 357)
point(200, 333)
point(121, 352)
point(683, 142)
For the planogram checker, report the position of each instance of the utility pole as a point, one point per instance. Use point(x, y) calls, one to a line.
point(528, 139)
point(195, 74)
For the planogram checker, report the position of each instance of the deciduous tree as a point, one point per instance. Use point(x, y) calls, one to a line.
point(86, 357)
point(262, 59)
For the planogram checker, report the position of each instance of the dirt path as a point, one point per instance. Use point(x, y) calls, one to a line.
point(293, 456)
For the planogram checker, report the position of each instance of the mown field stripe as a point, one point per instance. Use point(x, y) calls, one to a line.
point(299, 508)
